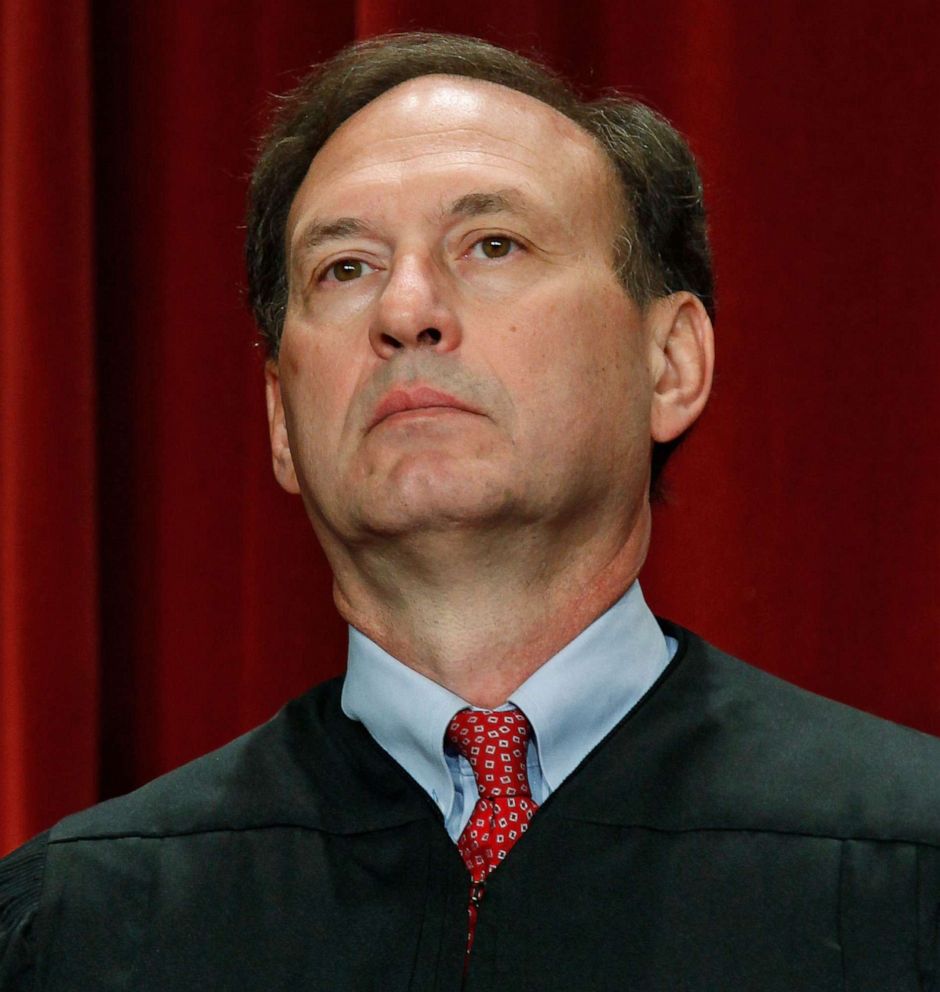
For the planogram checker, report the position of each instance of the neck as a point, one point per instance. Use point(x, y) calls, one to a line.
point(480, 616)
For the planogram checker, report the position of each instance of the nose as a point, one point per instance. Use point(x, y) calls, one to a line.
point(413, 310)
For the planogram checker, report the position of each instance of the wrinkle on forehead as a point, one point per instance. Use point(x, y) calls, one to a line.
point(522, 143)
point(376, 157)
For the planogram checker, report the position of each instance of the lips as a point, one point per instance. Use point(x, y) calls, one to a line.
point(401, 399)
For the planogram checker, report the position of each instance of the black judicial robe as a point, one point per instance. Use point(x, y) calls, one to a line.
point(732, 833)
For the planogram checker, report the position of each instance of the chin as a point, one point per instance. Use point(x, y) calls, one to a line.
point(435, 505)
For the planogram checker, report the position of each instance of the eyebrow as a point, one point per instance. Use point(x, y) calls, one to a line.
point(318, 232)
point(495, 202)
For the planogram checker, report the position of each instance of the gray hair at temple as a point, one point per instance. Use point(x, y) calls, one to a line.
point(662, 247)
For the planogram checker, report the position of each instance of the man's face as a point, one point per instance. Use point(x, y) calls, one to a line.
point(457, 350)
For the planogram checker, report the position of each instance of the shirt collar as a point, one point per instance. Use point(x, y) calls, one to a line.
point(405, 712)
point(572, 701)
point(578, 696)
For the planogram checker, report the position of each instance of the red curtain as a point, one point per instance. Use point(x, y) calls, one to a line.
point(159, 594)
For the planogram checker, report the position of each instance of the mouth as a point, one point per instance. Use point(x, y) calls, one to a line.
point(416, 398)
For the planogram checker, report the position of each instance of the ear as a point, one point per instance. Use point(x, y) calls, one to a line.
point(281, 457)
point(682, 360)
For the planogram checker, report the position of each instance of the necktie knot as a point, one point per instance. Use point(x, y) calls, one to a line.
point(495, 744)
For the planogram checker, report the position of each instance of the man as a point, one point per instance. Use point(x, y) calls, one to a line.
point(487, 307)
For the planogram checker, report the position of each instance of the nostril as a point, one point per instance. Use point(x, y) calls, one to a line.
point(430, 335)
point(392, 342)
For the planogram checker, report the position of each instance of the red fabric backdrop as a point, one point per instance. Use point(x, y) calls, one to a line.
point(159, 594)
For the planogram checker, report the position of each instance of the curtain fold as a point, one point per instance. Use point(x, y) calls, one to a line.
point(159, 594)
point(48, 535)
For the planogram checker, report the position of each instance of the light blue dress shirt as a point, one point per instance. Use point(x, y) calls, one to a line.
point(573, 701)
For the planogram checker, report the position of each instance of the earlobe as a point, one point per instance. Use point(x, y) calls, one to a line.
point(683, 360)
point(281, 457)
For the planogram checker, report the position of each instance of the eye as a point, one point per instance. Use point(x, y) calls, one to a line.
point(346, 269)
point(494, 246)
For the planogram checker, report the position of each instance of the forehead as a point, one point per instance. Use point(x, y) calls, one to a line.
point(451, 130)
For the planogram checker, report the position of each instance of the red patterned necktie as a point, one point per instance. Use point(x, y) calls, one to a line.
point(495, 743)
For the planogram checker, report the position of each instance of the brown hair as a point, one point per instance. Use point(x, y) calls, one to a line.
point(663, 247)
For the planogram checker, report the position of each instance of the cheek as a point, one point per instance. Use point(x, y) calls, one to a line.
point(314, 376)
point(315, 404)
point(588, 343)
point(582, 374)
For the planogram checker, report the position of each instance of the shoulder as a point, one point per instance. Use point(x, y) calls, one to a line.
point(233, 787)
point(730, 746)
point(241, 785)
point(308, 767)
point(309, 770)
point(21, 876)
